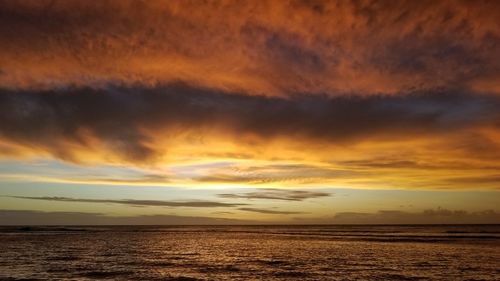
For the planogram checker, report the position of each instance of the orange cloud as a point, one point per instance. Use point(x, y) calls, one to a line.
point(420, 140)
point(355, 93)
point(264, 47)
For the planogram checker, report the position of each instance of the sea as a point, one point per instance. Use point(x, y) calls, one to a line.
point(367, 252)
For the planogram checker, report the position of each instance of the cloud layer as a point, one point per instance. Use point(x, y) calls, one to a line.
point(130, 120)
point(139, 203)
point(276, 194)
point(264, 47)
point(268, 211)
point(371, 94)
point(300, 138)
point(21, 217)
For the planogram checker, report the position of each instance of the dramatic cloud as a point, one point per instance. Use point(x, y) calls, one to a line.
point(346, 94)
point(266, 47)
point(149, 203)
point(20, 217)
point(129, 122)
point(269, 212)
point(302, 139)
point(277, 194)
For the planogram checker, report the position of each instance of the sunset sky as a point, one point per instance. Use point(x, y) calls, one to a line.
point(244, 112)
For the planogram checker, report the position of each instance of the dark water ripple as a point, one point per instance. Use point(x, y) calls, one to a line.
point(251, 253)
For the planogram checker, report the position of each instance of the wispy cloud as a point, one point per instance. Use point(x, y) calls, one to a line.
point(269, 212)
point(152, 203)
point(276, 194)
point(275, 173)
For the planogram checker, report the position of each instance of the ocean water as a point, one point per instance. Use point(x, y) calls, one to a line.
point(251, 253)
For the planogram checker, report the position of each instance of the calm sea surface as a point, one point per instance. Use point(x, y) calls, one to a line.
point(251, 253)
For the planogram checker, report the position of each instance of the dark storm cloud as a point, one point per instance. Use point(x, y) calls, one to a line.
point(277, 194)
point(133, 202)
point(269, 212)
point(21, 217)
point(124, 121)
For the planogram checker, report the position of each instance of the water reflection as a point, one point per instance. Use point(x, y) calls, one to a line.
point(251, 253)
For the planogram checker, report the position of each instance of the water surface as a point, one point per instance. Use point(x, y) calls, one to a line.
point(251, 253)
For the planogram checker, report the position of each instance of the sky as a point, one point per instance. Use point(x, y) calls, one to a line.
point(249, 112)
